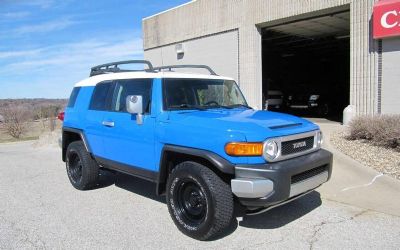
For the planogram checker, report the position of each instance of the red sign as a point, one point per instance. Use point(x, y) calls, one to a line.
point(386, 19)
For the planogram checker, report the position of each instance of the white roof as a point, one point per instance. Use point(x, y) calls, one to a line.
point(92, 81)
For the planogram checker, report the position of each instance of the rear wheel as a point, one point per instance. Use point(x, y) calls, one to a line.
point(199, 202)
point(82, 170)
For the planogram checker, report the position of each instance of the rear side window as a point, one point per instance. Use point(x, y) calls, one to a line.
point(100, 97)
point(124, 88)
point(72, 98)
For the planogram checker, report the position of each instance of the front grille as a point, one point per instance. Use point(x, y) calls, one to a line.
point(308, 174)
point(296, 146)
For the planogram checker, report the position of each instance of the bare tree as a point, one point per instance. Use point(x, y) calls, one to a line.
point(15, 120)
point(53, 112)
point(47, 113)
point(41, 114)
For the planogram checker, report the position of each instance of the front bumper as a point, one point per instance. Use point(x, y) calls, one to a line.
point(264, 185)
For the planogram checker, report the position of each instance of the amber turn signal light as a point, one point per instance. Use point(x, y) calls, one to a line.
point(244, 149)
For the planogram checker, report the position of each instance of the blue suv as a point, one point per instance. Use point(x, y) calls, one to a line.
point(195, 137)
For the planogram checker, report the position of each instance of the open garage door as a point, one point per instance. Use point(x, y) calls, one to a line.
point(306, 66)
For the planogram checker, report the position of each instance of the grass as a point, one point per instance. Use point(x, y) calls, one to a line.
point(33, 131)
point(28, 138)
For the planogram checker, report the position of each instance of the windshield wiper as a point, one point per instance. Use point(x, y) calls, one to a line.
point(189, 106)
point(216, 106)
point(228, 106)
point(238, 105)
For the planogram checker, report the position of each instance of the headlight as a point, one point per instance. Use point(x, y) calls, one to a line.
point(270, 150)
point(320, 139)
point(314, 97)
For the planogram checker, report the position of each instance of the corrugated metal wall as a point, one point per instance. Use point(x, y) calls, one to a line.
point(204, 17)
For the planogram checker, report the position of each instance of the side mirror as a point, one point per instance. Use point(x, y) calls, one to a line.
point(134, 105)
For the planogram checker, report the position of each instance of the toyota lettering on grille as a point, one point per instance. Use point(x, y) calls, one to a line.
point(299, 144)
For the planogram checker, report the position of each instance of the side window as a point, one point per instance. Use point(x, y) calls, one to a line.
point(100, 97)
point(72, 98)
point(124, 88)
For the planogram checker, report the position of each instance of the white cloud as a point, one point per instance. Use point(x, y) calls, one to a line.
point(44, 4)
point(51, 71)
point(15, 15)
point(73, 56)
point(45, 27)
point(20, 53)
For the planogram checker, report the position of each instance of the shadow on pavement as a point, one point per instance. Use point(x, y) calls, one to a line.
point(138, 186)
point(280, 216)
point(106, 178)
point(275, 218)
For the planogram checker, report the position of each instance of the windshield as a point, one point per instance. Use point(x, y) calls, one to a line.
point(201, 94)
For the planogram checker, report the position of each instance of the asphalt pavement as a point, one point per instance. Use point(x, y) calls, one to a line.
point(39, 209)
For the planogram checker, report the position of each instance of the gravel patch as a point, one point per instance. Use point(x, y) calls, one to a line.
point(386, 161)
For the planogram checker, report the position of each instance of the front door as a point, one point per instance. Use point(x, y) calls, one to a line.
point(98, 107)
point(126, 143)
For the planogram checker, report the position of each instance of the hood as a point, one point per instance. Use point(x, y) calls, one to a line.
point(256, 125)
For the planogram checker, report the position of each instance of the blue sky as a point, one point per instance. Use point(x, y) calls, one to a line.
point(46, 46)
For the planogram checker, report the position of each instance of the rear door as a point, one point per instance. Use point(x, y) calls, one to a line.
point(98, 107)
point(126, 142)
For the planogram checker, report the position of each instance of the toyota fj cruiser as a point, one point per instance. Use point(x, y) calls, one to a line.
point(194, 136)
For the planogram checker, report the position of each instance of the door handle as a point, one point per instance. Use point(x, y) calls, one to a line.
point(108, 123)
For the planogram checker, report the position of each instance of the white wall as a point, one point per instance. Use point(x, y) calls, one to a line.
point(391, 76)
point(219, 51)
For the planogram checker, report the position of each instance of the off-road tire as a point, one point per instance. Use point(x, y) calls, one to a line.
point(89, 170)
point(215, 192)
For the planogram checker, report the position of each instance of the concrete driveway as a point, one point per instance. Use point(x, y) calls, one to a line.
point(39, 209)
point(355, 184)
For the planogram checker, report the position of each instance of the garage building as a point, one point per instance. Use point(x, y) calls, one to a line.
point(346, 50)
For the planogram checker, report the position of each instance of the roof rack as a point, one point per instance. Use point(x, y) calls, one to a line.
point(170, 67)
point(113, 67)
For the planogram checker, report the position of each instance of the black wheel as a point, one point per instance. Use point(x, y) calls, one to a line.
point(82, 170)
point(199, 202)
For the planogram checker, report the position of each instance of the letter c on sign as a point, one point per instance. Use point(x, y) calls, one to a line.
point(384, 22)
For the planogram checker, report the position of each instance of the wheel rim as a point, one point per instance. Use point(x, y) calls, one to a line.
point(191, 202)
point(75, 167)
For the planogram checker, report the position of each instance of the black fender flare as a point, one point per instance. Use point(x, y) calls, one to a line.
point(219, 163)
point(64, 140)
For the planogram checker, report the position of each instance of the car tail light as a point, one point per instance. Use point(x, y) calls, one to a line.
point(244, 148)
point(61, 116)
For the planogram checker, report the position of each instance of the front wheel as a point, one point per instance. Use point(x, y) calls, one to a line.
point(199, 202)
